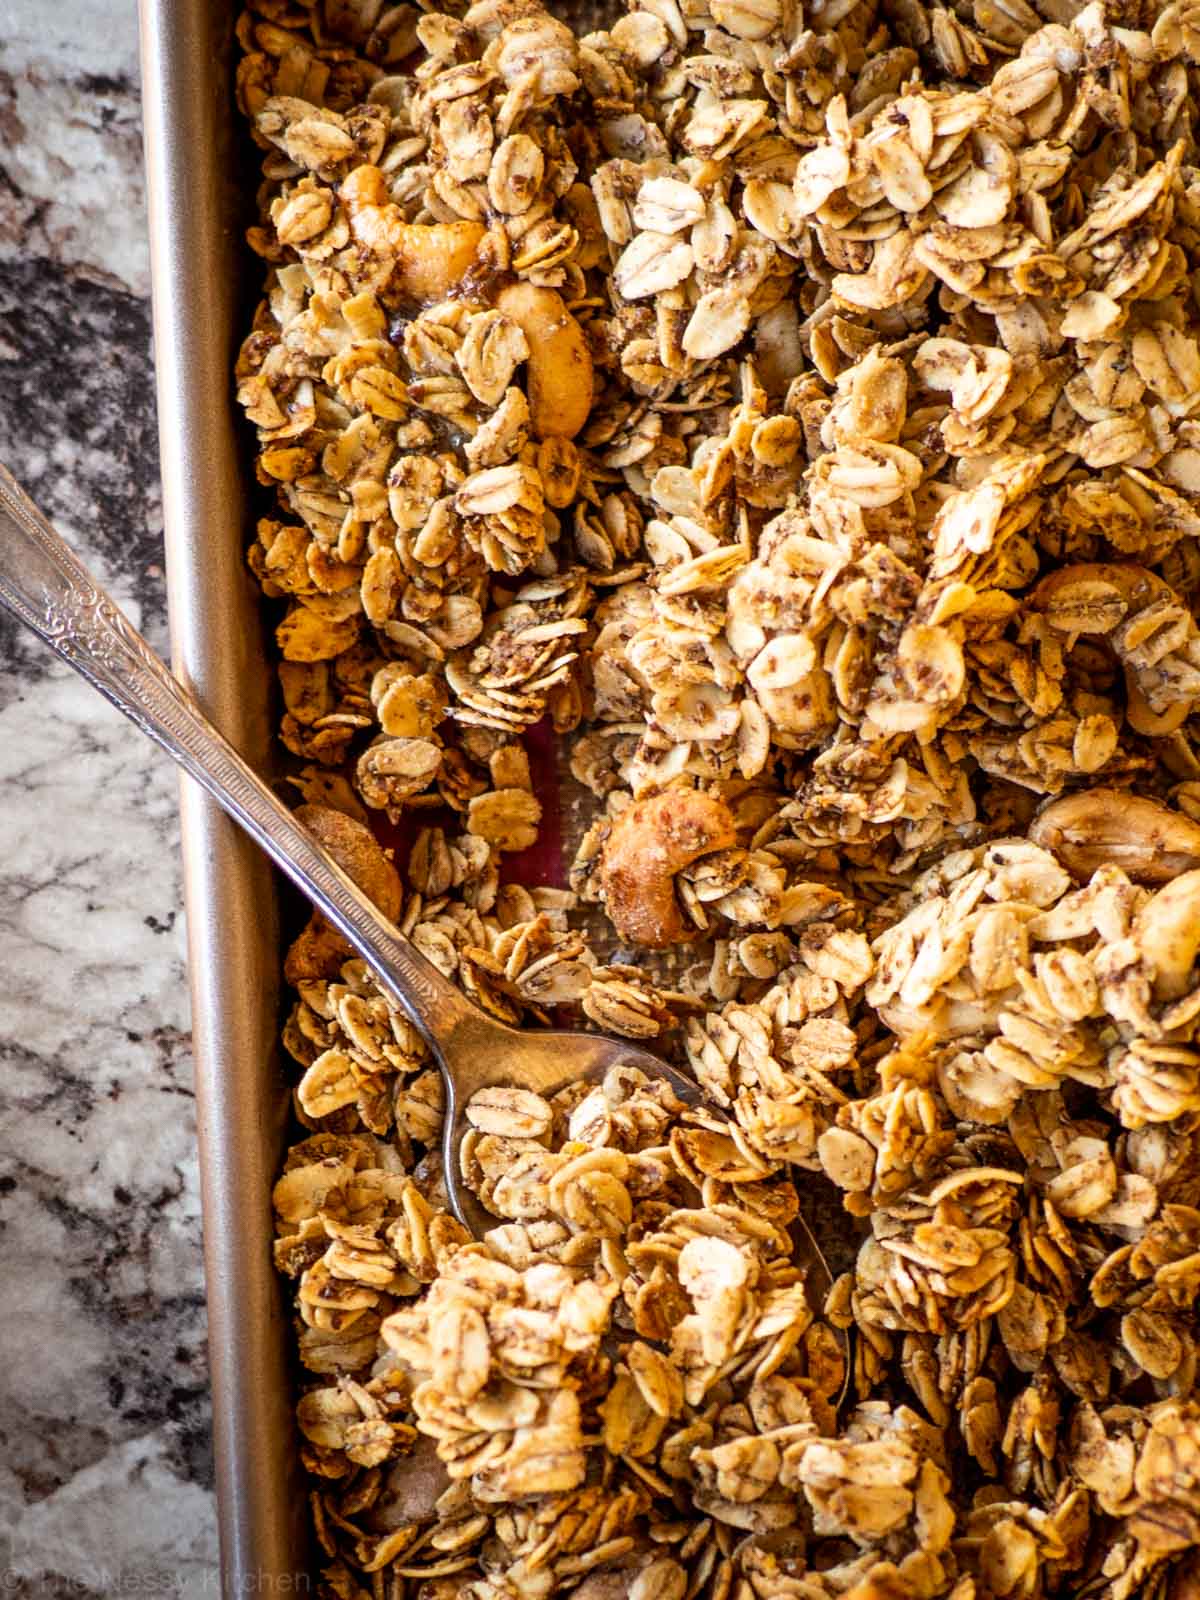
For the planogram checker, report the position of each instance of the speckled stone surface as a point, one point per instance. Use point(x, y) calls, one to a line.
point(105, 1471)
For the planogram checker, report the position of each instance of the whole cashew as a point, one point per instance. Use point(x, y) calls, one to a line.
point(1167, 932)
point(431, 258)
point(649, 843)
point(560, 363)
point(1142, 837)
point(1136, 588)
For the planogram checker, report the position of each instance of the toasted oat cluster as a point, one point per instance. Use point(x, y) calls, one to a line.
point(795, 408)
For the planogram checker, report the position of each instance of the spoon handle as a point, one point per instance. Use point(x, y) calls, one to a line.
point(44, 584)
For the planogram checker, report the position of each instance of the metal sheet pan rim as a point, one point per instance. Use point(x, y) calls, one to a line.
point(231, 895)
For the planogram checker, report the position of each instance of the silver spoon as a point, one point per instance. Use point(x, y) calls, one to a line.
point(44, 584)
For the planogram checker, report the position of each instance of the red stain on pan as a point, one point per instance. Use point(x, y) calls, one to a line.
point(542, 865)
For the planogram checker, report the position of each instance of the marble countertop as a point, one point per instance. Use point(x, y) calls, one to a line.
point(105, 1468)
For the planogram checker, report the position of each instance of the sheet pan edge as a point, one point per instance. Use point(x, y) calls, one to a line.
point(231, 895)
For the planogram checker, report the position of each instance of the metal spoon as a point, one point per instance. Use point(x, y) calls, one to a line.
point(44, 584)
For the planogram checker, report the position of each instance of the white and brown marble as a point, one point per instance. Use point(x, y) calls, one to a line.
point(105, 1466)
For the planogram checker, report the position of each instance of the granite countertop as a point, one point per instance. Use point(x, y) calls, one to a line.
point(105, 1469)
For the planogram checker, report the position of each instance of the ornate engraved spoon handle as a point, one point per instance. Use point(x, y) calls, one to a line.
point(45, 585)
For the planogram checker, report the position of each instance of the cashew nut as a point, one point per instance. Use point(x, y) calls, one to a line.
point(432, 258)
point(649, 843)
point(1094, 597)
point(320, 950)
point(359, 854)
point(560, 363)
point(1142, 837)
point(1167, 932)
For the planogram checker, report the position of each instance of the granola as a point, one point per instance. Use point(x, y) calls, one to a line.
point(794, 409)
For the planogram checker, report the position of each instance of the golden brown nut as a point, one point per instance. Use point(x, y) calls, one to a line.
point(560, 363)
point(319, 950)
point(359, 854)
point(1098, 826)
point(649, 843)
point(431, 258)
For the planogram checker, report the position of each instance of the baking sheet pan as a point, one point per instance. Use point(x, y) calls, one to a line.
point(199, 185)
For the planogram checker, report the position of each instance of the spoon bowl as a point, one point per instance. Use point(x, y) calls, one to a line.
point(480, 1053)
